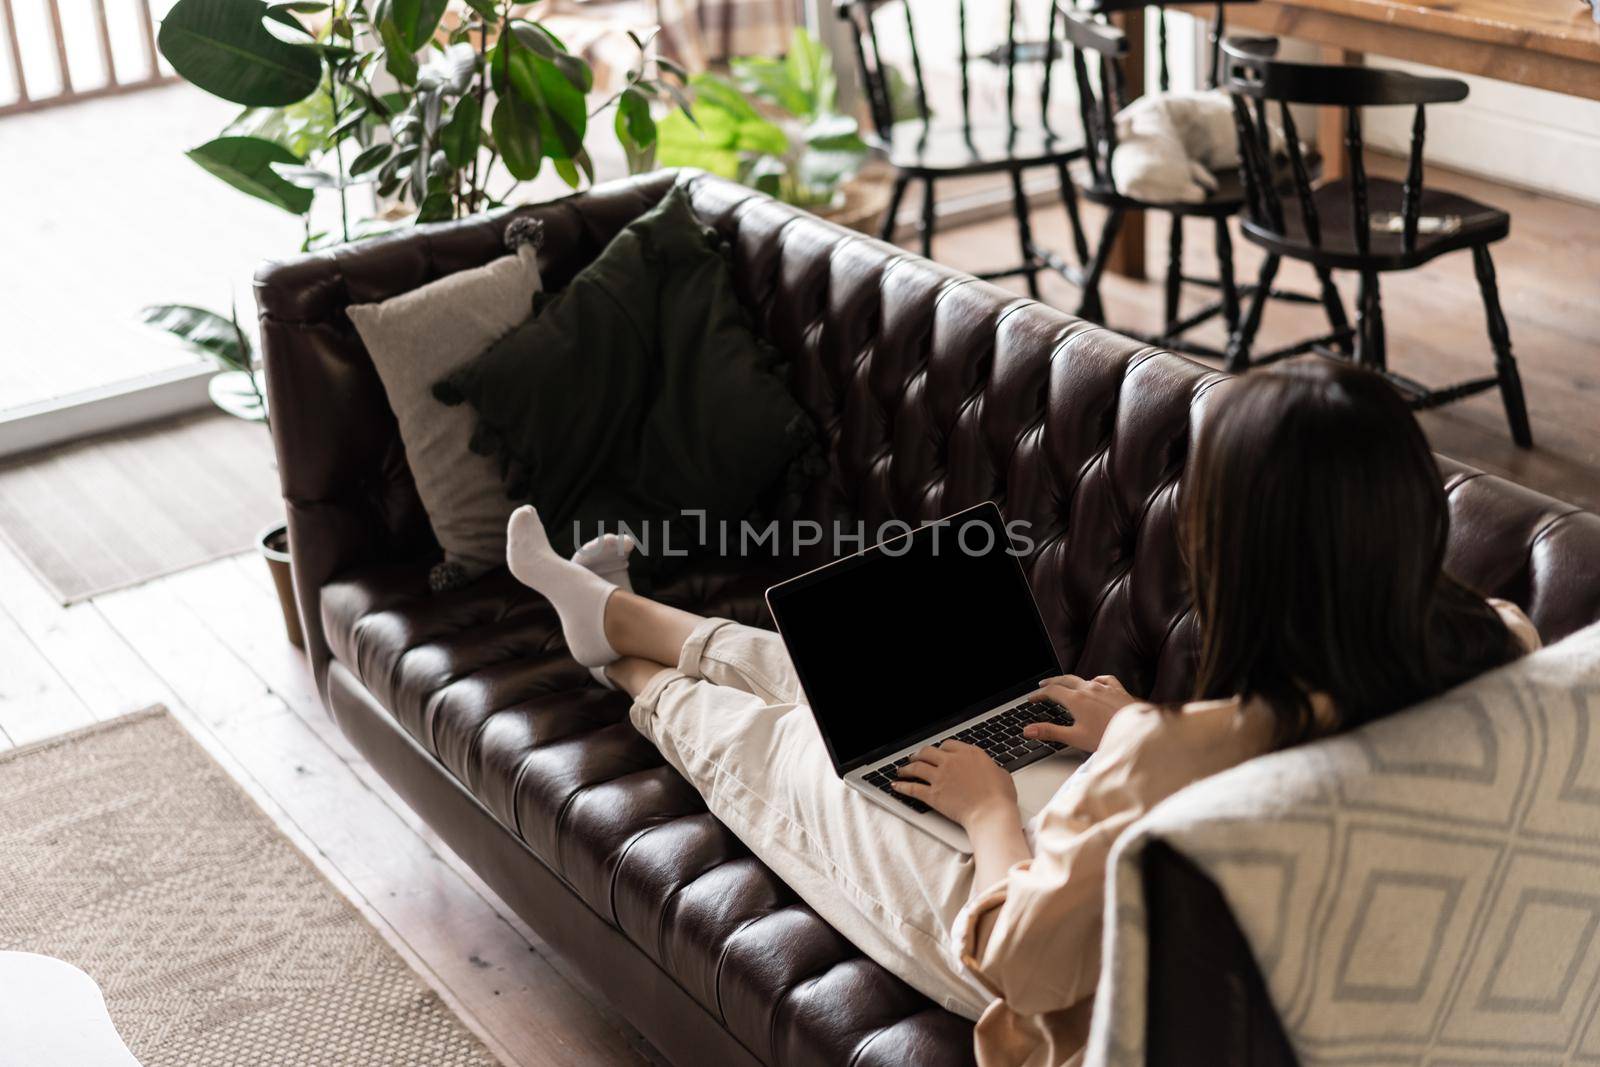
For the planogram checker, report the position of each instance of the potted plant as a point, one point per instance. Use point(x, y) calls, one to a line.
point(774, 124)
point(417, 104)
point(239, 389)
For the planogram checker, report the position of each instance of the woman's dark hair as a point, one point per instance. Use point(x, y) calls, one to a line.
point(1314, 528)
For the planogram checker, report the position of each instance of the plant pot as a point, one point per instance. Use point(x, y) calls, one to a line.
point(866, 198)
point(274, 545)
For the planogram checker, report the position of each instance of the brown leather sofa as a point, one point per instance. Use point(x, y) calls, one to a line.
point(934, 391)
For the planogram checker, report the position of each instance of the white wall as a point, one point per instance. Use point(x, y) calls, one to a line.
point(1528, 137)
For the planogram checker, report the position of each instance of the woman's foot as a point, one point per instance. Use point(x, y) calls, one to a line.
point(607, 555)
point(577, 593)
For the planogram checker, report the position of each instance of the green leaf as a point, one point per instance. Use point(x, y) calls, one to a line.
point(203, 331)
point(299, 7)
point(242, 394)
point(516, 133)
point(576, 71)
point(303, 128)
point(568, 171)
point(707, 145)
point(246, 164)
point(397, 53)
point(436, 207)
point(566, 114)
point(636, 129)
point(715, 92)
point(834, 133)
point(487, 9)
point(222, 47)
point(349, 123)
point(765, 174)
point(371, 158)
point(417, 20)
point(537, 38)
point(460, 136)
point(520, 73)
point(305, 177)
point(771, 80)
point(811, 71)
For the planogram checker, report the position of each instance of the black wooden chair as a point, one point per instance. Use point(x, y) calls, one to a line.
point(928, 147)
point(1099, 108)
point(1362, 224)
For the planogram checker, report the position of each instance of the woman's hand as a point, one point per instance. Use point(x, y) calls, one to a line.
point(961, 782)
point(1091, 702)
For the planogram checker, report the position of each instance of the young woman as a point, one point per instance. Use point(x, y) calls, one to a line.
point(1314, 529)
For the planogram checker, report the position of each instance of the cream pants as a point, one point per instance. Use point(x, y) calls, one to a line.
point(732, 719)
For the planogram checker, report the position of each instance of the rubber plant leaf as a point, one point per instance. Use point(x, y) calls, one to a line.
point(222, 46)
point(246, 164)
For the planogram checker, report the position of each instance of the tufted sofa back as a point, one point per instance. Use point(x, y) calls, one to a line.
point(934, 391)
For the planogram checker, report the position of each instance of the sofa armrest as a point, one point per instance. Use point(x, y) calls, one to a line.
point(347, 489)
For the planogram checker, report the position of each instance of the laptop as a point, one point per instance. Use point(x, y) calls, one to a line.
point(928, 636)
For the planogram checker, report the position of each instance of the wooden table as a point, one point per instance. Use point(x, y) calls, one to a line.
point(1547, 44)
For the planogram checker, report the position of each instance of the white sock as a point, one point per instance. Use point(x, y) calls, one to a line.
point(607, 555)
point(578, 594)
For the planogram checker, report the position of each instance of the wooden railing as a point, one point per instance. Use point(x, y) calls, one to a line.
point(21, 98)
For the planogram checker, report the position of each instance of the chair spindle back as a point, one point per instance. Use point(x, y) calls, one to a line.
point(1216, 29)
point(878, 74)
point(1255, 77)
point(1101, 84)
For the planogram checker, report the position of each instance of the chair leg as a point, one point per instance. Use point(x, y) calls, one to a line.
point(1089, 305)
point(1230, 292)
point(1243, 339)
point(1174, 289)
point(1334, 307)
point(1069, 197)
point(927, 218)
point(1019, 206)
point(1500, 337)
point(897, 194)
point(1370, 342)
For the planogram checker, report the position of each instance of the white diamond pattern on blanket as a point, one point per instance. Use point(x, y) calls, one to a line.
point(1473, 774)
point(1562, 925)
point(1535, 964)
point(1581, 783)
point(1469, 753)
point(1444, 905)
point(1390, 952)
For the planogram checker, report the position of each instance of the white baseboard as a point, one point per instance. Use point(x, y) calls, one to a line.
point(105, 409)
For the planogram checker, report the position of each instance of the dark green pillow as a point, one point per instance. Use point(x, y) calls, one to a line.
point(638, 391)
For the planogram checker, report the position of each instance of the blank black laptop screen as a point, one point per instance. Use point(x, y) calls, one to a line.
point(892, 647)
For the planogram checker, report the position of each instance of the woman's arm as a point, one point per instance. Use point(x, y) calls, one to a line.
point(962, 783)
point(1031, 931)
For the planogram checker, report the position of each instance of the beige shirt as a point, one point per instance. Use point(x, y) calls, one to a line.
point(1041, 954)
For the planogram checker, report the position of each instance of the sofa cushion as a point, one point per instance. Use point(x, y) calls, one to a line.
point(417, 338)
point(479, 676)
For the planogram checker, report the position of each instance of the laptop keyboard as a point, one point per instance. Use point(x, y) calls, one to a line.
point(1000, 736)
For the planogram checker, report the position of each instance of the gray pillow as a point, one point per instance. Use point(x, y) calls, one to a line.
point(424, 335)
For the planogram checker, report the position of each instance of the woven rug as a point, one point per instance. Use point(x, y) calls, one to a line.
point(121, 509)
point(126, 851)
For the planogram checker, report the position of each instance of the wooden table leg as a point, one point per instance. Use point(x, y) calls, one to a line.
point(1330, 120)
point(1127, 255)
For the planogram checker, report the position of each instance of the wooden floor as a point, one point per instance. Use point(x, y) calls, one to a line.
point(1549, 270)
point(209, 644)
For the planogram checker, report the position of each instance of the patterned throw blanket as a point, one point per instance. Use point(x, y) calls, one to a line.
point(1424, 890)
